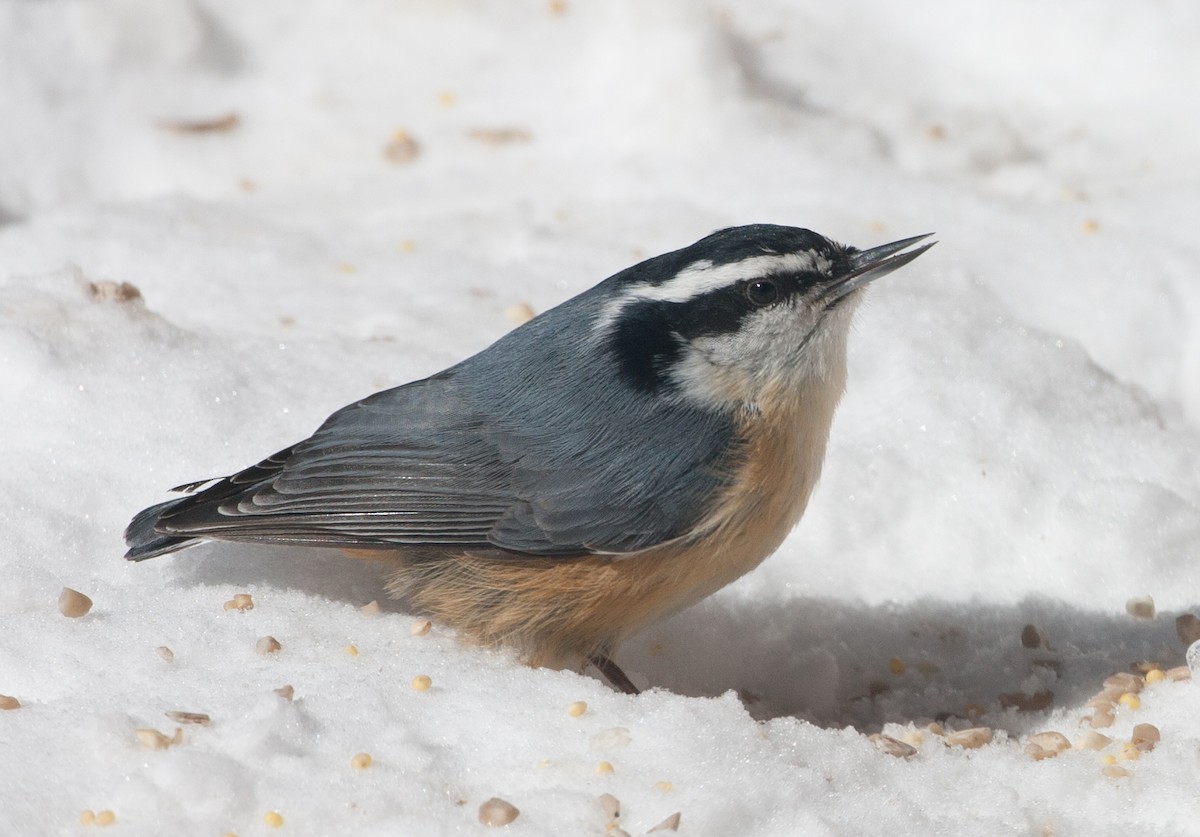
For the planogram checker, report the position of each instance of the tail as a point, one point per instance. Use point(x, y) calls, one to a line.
point(144, 542)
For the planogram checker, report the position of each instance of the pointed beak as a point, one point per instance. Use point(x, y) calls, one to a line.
point(868, 265)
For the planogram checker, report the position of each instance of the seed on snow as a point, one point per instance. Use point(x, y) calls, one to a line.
point(1130, 752)
point(240, 602)
point(273, 819)
point(166, 653)
point(1045, 745)
point(1130, 700)
point(671, 823)
point(371, 608)
point(1112, 771)
point(1126, 681)
point(610, 805)
point(969, 739)
point(1140, 607)
point(152, 739)
point(1145, 736)
point(1092, 740)
point(72, 603)
point(577, 708)
point(604, 768)
point(420, 628)
point(9, 702)
point(497, 812)
point(1155, 675)
point(267, 645)
point(422, 682)
point(892, 746)
point(285, 692)
point(188, 717)
point(361, 761)
point(1102, 717)
point(1178, 673)
point(351, 650)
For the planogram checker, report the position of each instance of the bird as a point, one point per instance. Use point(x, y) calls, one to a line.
point(605, 465)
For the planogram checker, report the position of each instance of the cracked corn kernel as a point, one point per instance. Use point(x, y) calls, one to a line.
point(1130, 700)
point(88, 817)
point(604, 768)
point(577, 708)
point(361, 761)
point(1130, 752)
point(1155, 675)
point(105, 817)
point(1145, 737)
point(422, 682)
point(267, 645)
point(273, 819)
point(9, 702)
point(1112, 771)
point(351, 650)
point(969, 739)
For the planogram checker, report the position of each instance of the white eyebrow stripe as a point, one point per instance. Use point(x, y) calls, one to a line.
point(701, 277)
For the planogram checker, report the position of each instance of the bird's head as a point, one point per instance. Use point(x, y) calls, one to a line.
point(741, 315)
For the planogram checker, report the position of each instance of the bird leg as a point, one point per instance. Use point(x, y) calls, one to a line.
point(613, 674)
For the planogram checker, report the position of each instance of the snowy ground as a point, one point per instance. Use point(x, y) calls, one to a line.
point(1020, 443)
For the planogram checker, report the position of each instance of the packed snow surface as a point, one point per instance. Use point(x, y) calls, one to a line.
point(221, 221)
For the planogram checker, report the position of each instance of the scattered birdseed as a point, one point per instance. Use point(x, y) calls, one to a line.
point(896, 665)
point(361, 761)
point(1031, 637)
point(671, 823)
point(88, 817)
point(1102, 717)
point(9, 702)
point(892, 746)
point(215, 124)
point(1045, 745)
point(422, 682)
point(351, 650)
point(610, 739)
point(1092, 740)
point(72, 603)
point(152, 739)
point(664, 787)
point(497, 812)
point(285, 692)
point(1145, 737)
point(500, 136)
point(1114, 772)
point(273, 819)
point(577, 708)
point(1130, 701)
point(1178, 673)
point(1155, 675)
point(1187, 625)
point(267, 645)
point(969, 739)
point(371, 608)
point(1130, 752)
point(198, 718)
point(604, 768)
point(166, 653)
point(240, 602)
point(420, 628)
point(1090, 225)
point(108, 290)
point(610, 805)
point(1126, 681)
point(401, 148)
point(105, 817)
point(1140, 607)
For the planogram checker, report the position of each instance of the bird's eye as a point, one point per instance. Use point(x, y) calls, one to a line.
point(762, 291)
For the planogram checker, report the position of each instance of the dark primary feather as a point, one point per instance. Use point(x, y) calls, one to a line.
point(525, 447)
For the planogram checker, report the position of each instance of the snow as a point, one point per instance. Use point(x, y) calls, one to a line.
point(1019, 444)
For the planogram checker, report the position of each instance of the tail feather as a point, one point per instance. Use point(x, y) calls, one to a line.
point(144, 542)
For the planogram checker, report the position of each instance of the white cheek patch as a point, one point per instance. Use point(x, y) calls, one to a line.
point(703, 277)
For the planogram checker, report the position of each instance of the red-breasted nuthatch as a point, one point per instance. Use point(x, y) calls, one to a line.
point(608, 463)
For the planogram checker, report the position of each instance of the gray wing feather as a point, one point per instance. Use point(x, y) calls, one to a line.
point(510, 449)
